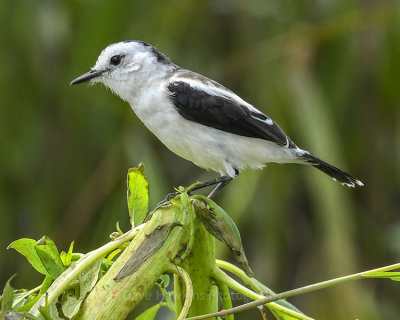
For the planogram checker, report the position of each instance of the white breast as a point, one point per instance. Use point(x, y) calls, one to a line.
point(207, 147)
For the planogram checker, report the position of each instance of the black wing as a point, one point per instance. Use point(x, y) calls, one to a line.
point(224, 114)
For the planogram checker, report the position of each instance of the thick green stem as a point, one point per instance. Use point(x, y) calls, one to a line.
point(114, 300)
point(199, 264)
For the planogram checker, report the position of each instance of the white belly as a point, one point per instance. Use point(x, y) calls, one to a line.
point(206, 147)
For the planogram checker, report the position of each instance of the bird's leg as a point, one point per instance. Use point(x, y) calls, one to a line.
point(220, 182)
point(218, 188)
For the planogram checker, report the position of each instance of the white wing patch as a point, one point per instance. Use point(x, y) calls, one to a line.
point(267, 120)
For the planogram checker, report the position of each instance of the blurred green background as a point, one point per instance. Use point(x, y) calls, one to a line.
point(327, 71)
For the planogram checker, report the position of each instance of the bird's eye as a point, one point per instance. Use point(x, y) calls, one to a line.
point(116, 60)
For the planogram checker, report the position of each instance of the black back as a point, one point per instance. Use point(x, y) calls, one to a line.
point(224, 114)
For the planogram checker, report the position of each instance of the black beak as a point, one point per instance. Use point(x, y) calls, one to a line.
point(86, 76)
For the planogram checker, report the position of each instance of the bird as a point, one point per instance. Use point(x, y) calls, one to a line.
point(196, 117)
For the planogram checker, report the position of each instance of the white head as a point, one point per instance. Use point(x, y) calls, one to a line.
point(125, 64)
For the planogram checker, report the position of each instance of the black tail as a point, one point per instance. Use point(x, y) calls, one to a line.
point(332, 171)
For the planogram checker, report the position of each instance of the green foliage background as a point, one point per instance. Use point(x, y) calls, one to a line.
point(327, 71)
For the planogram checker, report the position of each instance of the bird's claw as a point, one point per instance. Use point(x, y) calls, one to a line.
point(167, 198)
point(170, 196)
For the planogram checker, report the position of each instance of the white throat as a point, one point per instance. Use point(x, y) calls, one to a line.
point(131, 86)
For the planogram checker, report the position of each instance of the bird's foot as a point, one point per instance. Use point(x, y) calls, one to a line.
point(220, 182)
point(172, 195)
point(167, 198)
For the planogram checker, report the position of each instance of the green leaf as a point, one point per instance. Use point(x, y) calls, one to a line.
point(69, 254)
point(43, 288)
point(7, 298)
point(393, 275)
point(50, 312)
point(138, 195)
point(108, 261)
point(26, 247)
point(22, 297)
point(149, 314)
point(287, 314)
point(111, 256)
point(67, 257)
point(220, 225)
point(165, 280)
point(49, 256)
point(87, 280)
point(162, 283)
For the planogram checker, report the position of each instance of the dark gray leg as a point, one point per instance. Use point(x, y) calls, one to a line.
point(220, 182)
point(218, 188)
point(217, 181)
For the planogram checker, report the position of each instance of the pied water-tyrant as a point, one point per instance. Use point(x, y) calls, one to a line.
point(196, 117)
